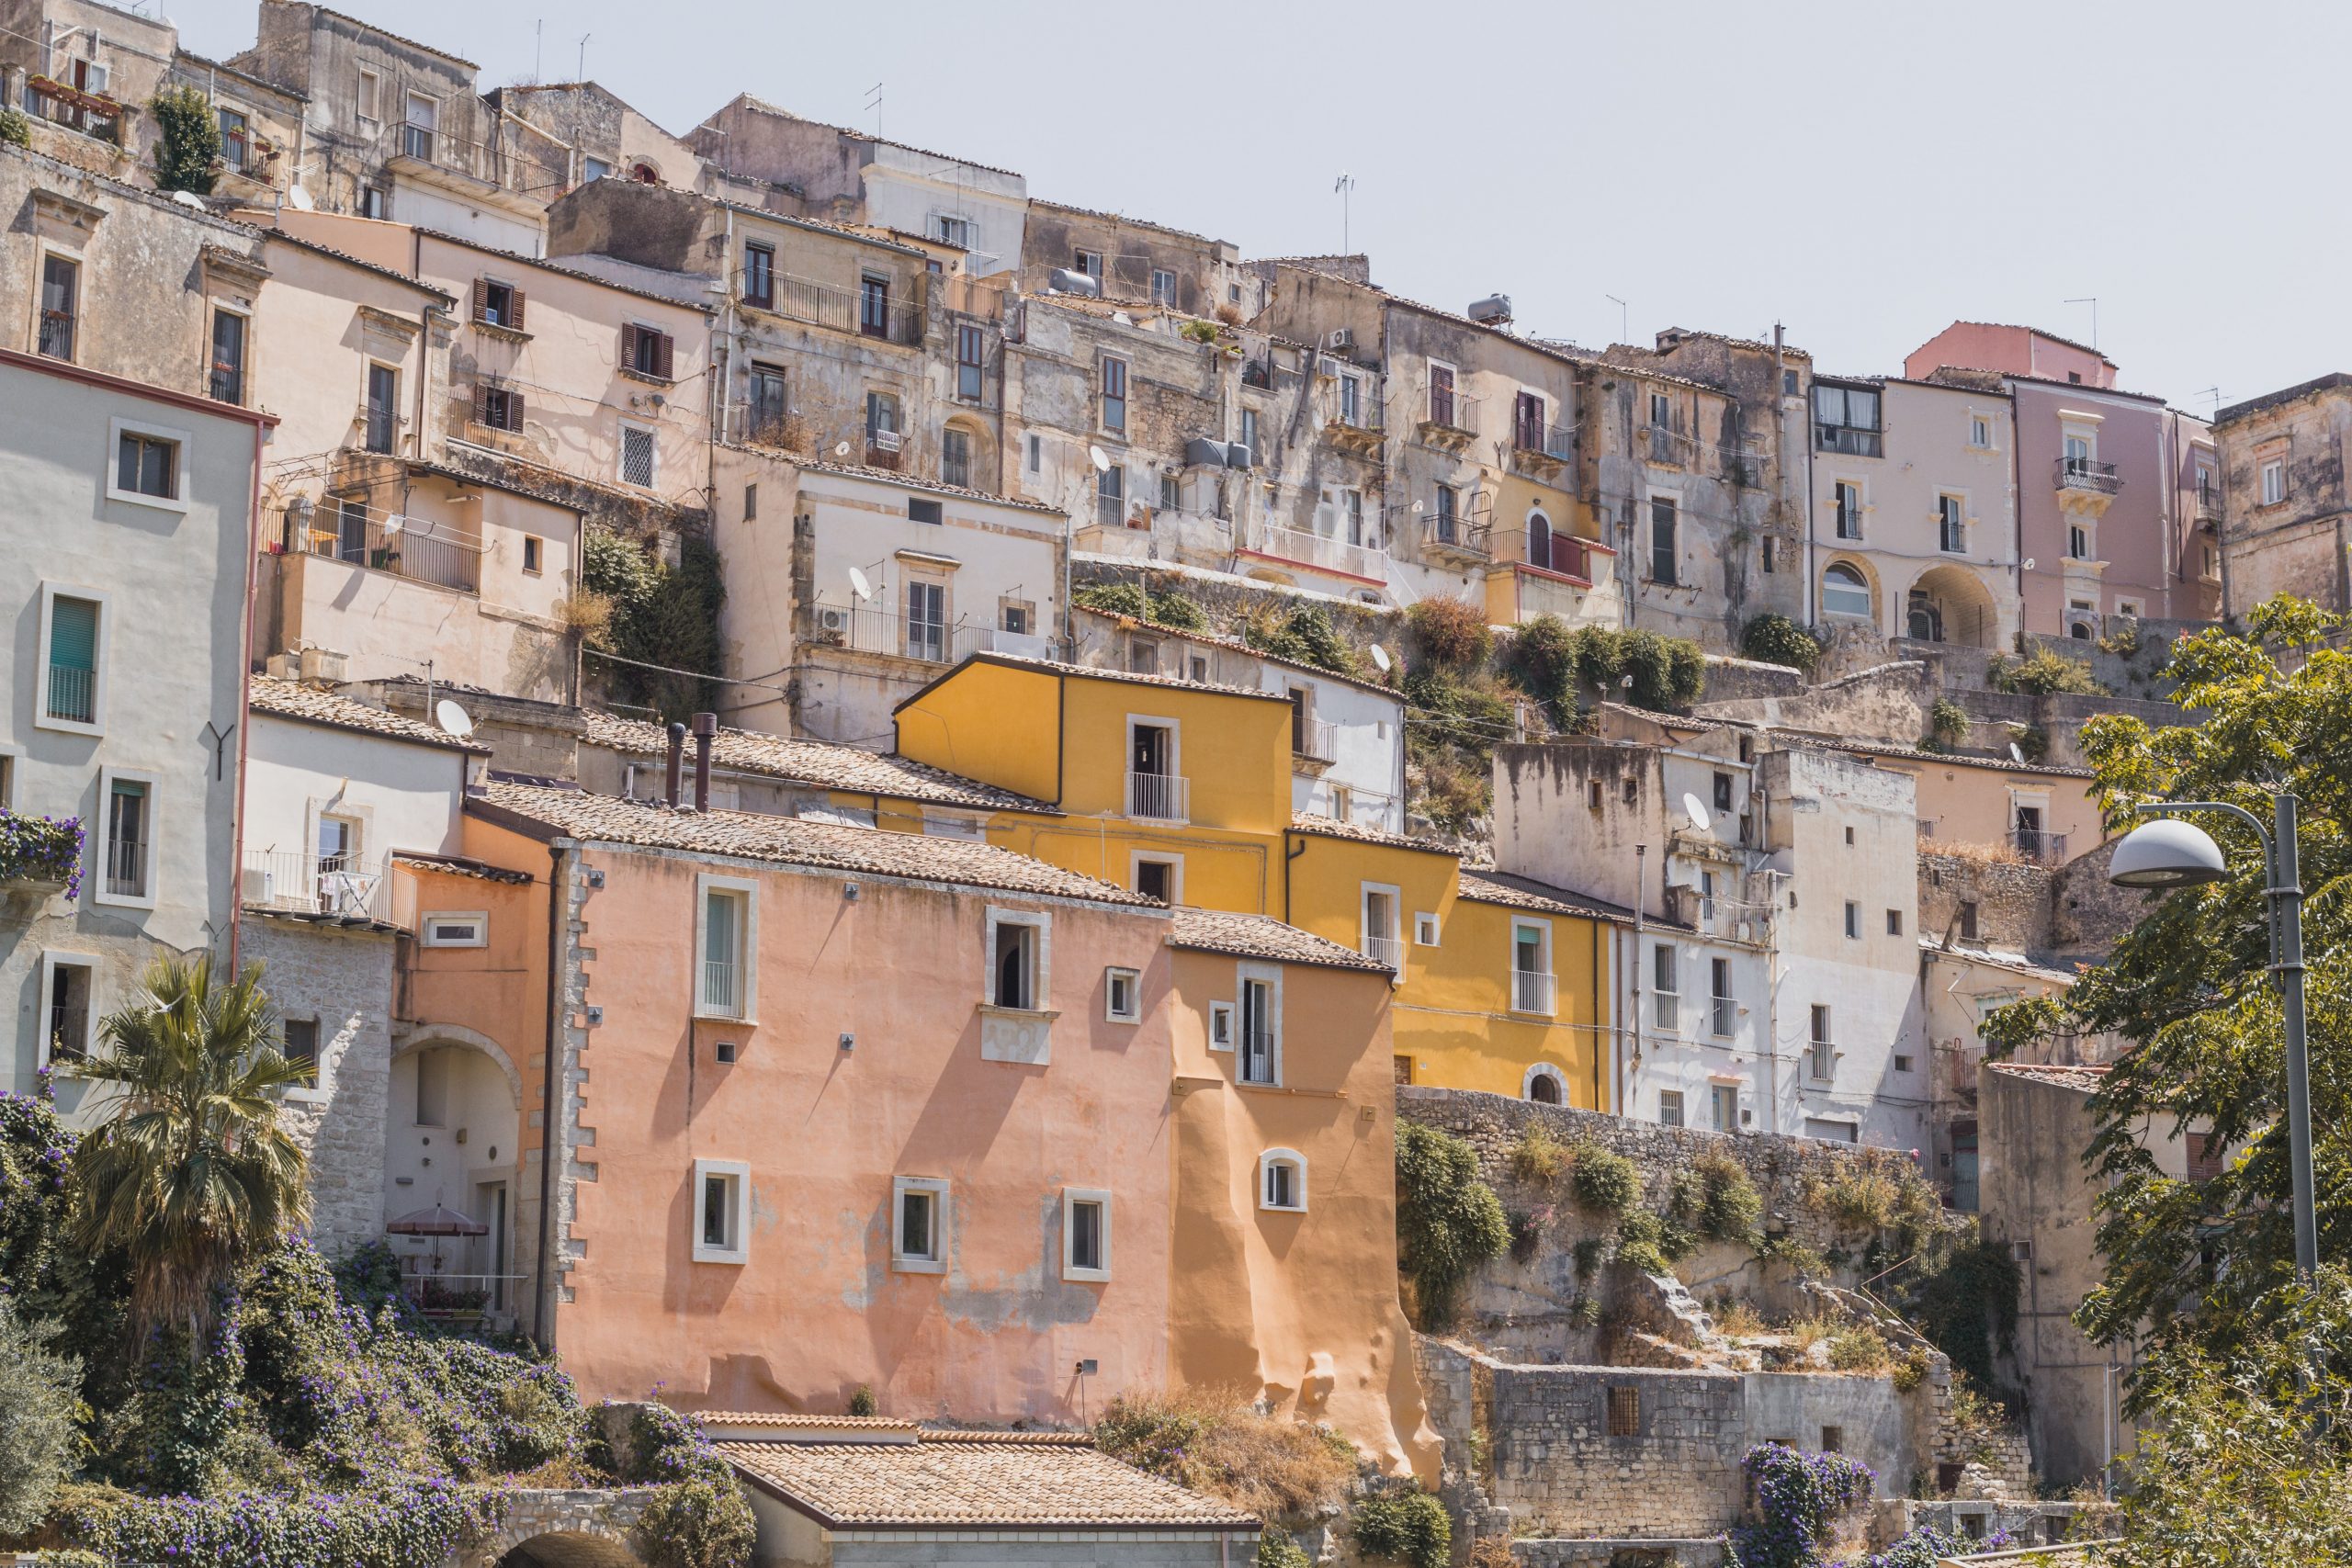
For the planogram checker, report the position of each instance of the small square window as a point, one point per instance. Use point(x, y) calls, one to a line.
point(1220, 1026)
point(1122, 995)
point(299, 1039)
point(1592, 794)
point(533, 553)
point(1281, 1180)
point(1833, 1439)
point(1625, 1411)
point(1086, 1234)
point(147, 467)
point(1902, 1062)
point(922, 511)
point(726, 1050)
point(722, 1212)
point(471, 930)
point(1895, 922)
point(1424, 930)
point(918, 1224)
point(1669, 1107)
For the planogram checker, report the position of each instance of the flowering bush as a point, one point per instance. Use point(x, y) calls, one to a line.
point(1924, 1548)
point(401, 1525)
point(1796, 1498)
point(698, 1518)
point(41, 849)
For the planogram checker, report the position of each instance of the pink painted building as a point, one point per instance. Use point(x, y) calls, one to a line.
point(2107, 524)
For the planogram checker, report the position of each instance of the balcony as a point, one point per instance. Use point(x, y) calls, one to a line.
point(1542, 451)
point(1315, 551)
point(882, 630)
point(722, 990)
point(1386, 952)
point(1314, 739)
point(1159, 797)
point(2038, 847)
point(2083, 473)
point(1449, 417)
point(340, 888)
point(1357, 429)
point(1531, 991)
point(72, 694)
point(1669, 447)
point(1452, 540)
point(885, 449)
point(2208, 505)
point(829, 305)
point(1849, 440)
point(406, 546)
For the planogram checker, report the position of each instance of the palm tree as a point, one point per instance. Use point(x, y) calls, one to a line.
point(190, 1173)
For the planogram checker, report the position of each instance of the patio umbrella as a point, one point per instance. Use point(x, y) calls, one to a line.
point(434, 1221)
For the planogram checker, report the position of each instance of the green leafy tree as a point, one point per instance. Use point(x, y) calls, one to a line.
point(661, 616)
point(187, 147)
point(1448, 1220)
point(1773, 638)
point(40, 1394)
point(2197, 1263)
point(189, 1175)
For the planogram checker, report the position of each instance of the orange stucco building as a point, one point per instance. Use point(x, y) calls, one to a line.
point(835, 1107)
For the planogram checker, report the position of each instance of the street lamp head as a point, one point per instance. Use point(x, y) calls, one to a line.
point(2166, 853)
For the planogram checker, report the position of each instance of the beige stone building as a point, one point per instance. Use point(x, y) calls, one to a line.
point(2278, 487)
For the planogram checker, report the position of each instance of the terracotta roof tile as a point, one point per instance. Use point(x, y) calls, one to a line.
point(461, 865)
point(1914, 753)
point(789, 841)
point(2087, 1078)
point(307, 704)
point(915, 482)
point(941, 1482)
point(1332, 827)
point(1261, 936)
point(1484, 886)
point(815, 761)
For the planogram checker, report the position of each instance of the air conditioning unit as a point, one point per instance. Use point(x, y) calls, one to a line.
point(829, 619)
point(884, 440)
point(1342, 340)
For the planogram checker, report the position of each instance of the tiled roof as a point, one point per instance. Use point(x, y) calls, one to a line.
point(997, 1435)
point(1087, 671)
point(1234, 643)
point(941, 1484)
point(388, 33)
point(544, 265)
point(307, 704)
point(813, 761)
point(1914, 753)
point(2332, 382)
point(2087, 1078)
point(461, 865)
point(1484, 886)
point(929, 487)
point(1332, 827)
point(280, 236)
point(1261, 936)
point(789, 841)
point(725, 1421)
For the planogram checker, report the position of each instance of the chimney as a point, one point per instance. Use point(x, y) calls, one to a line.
point(706, 731)
point(677, 757)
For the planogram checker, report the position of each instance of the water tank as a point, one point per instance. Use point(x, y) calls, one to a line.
point(1063, 280)
point(1493, 309)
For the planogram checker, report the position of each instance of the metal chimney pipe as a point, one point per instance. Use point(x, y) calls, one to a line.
point(706, 731)
point(677, 760)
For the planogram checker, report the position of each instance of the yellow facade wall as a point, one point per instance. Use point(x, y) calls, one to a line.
point(996, 722)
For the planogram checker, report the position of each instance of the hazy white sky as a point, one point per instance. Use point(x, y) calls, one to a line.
point(1862, 173)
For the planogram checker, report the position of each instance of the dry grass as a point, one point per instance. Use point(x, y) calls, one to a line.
point(1492, 1551)
point(1736, 1317)
point(1804, 1332)
point(2001, 854)
point(1860, 1350)
point(1214, 1440)
point(1538, 1159)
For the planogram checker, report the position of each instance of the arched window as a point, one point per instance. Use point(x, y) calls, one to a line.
point(1927, 620)
point(1281, 1180)
point(1544, 1086)
point(643, 175)
point(1539, 540)
point(1845, 592)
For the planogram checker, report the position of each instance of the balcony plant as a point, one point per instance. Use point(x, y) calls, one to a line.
point(188, 154)
point(42, 851)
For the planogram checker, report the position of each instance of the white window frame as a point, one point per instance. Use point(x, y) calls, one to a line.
point(1071, 1198)
point(1041, 953)
point(1222, 1019)
point(481, 919)
point(2273, 468)
point(108, 778)
point(1271, 976)
point(1137, 859)
point(1682, 1108)
point(1870, 590)
point(1297, 1163)
point(1427, 931)
point(359, 97)
point(1543, 928)
point(1979, 417)
point(1175, 763)
point(746, 963)
point(51, 961)
point(99, 596)
point(1160, 296)
point(935, 1260)
point(1963, 516)
point(1820, 1047)
point(620, 455)
point(1853, 919)
point(184, 444)
point(1365, 894)
point(738, 1173)
point(1454, 373)
point(1658, 993)
point(1110, 978)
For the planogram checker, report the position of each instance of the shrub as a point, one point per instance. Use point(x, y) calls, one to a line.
point(1276, 1549)
point(1859, 1350)
point(1773, 638)
point(40, 1393)
point(1585, 1312)
point(1640, 1228)
point(862, 1401)
point(699, 1522)
point(1603, 1183)
point(1538, 1159)
point(402, 1522)
point(2041, 673)
point(187, 149)
point(1589, 1252)
point(1808, 1263)
point(1452, 633)
point(1795, 1498)
point(1716, 1196)
point(1526, 1232)
point(1543, 662)
point(1448, 1220)
point(661, 616)
point(1304, 636)
point(1910, 1370)
point(1410, 1527)
point(1167, 609)
point(1968, 1307)
point(1214, 1441)
point(1857, 1200)
point(1492, 1551)
point(15, 127)
point(1198, 331)
point(1926, 1547)
point(1948, 722)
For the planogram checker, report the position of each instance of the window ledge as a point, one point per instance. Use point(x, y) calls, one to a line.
point(125, 900)
point(646, 376)
point(68, 726)
point(917, 1265)
point(506, 334)
point(1043, 1015)
point(735, 1256)
point(141, 498)
point(741, 1020)
point(1087, 1276)
point(1300, 1093)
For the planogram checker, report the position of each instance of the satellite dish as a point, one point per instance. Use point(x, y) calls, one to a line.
point(453, 718)
point(1696, 812)
point(1380, 658)
point(840, 449)
point(2015, 755)
point(298, 199)
point(857, 580)
point(1100, 458)
point(393, 525)
point(2028, 563)
point(1417, 509)
point(188, 198)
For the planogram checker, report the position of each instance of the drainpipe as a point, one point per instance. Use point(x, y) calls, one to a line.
point(244, 720)
point(721, 388)
point(543, 1297)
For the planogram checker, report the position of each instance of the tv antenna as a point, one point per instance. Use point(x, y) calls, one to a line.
point(1624, 331)
point(1343, 187)
point(2092, 300)
point(874, 102)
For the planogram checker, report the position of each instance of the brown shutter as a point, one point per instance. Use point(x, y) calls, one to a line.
point(481, 403)
point(629, 347)
point(663, 343)
point(514, 411)
point(514, 308)
point(481, 297)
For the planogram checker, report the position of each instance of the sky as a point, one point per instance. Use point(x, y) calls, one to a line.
point(1862, 175)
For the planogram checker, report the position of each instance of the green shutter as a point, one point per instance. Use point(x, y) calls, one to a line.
point(72, 634)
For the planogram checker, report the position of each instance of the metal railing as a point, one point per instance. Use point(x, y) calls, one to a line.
point(1557, 442)
point(458, 1295)
point(722, 993)
point(2209, 504)
point(405, 546)
point(1315, 551)
point(126, 867)
point(56, 334)
point(1669, 446)
point(379, 425)
point(416, 141)
point(1666, 1009)
point(1159, 797)
point(306, 883)
point(1315, 738)
point(2082, 473)
point(1450, 408)
point(880, 628)
point(1850, 440)
point(1386, 951)
point(1451, 531)
point(1110, 510)
point(830, 305)
point(1257, 1047)
point(1531, 991)
point(2043, 849)
point(1367, 415)
point(72, 695)
point(1722, 1016)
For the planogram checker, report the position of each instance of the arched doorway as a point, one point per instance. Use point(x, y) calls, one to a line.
point(453, 1142)
point(1544, 1086)
point(1539, 541)
point(1950, 603)
point(1845, 592)
point(568, 1548)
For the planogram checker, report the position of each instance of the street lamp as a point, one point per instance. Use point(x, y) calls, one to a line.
point(2170, 854)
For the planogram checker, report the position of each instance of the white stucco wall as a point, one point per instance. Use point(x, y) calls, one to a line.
point(907, 188)
point(403, 794)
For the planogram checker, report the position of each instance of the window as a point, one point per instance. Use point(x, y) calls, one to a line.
point(61, 293)
point(1980, 432)
point(1260, 1040)
point(1281, 1180)
point(1669, 1107)
point(1769, 555)
point(1351, 401)
point(1662, 553)
point(1088, 263)
point(1667, 1003)
point(73, 683)
point(1722, 792)
point(1122, 995)
point(955, 458)
point(1845, 592)
point(1625, 1411)
point(471, 929)
point(1951, 529)
point(725, 940)
point(1723, 1011)
point(1853, 921)
point(2274, 479)
point(1449, 511)
point(971, 362)
point(1158, 878)
point(383, 410)
point(1171, 491)
point(498, 406)
point(369, 104)
point(298, 1040)
point(1846, 420)
point(1378, 914)
point(1833, 1439)
point(1034, 454)
point(226, 381)
point(1013, 966)
point(2078, 542)
point(1539, 541)
point(722, 1212)
point(1111, 497)
point(535, 549)
point(127, 855)
point(1849, 510)
point(1723, 1107)
point(2078, 455)
point(918, 1224)
point(2205, 1156)
point(1530, 963)
point(1895, 922)
point(1824, 1056)
point(236, 139)
point(881, 422)
point(952, 230)
point(637, 456)
point(1707, 895)
point(648, 351)
point(1441, 411)
point(1249, 436)
point(1220, 1026)
point(416, 133)
point(67, 985)
point(372, 202)
point(768, 404)
point(1425, 929)
point(1086, 1234)
point(920, 510)
point(874, 306)
point(1402, 1068)
point(1143, 656)
point(1661, 412)
point(1163, 287)
point(759, 276)
point(1902, 1062)
point(498, 304)
point(1544, 1084)
point(1832, 1132)
point(1968, 919)
point(146, 464)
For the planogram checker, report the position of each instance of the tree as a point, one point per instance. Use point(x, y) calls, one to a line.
point(660, 615)
point(187, 149)
point(40, 1393)
point(188, 1174)
point(2198, 1266)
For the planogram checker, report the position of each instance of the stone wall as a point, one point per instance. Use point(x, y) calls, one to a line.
point(1229, 599)
point(1885, 702)
point(2012, 901)
point(1732, 680)
point(2088, 913)
point(341, 978)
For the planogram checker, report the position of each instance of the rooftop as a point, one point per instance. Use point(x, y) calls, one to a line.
point(1236, 645)
point(817, 762)
point(1262, 936)
point(309, 704)
point(941, 1482)
point(1913, 754)
point(2086, 1079)
point(1485, 886)
point(2332, 382)
point(785, 841)
point(1088, 673)
point(1332, 827)
point(764, 107)
point(929, 487)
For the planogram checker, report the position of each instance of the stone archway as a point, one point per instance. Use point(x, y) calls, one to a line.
point(563, 1530)
point(1950, 603)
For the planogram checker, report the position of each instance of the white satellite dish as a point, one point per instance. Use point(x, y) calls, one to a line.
point(298, 199)
point(1380, 658)
point(189, 198)
point(840, 449)
point(857, 580)
point(1100, 458)
point(1696, 812)
point(453, 718)
point(2028, 563)
point(2015, 755)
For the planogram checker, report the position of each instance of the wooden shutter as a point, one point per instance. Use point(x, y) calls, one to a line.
point(629, 347)
point(481, 403)
point(514, 308)
point(663, 345)
point(481, 298)
point(513, 410)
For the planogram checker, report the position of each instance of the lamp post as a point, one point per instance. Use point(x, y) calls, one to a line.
point(2167, 853)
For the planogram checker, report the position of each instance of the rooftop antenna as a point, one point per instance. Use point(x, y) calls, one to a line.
point(1343, 185)
point(2092, 300)
point(874, 102)
point(2215, 394)
point(582, 75)
point(1624, 333)
point(538, 46)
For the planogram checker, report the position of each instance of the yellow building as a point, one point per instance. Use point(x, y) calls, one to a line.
point(1183, 790)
